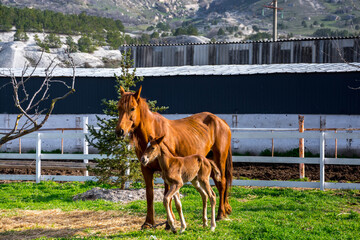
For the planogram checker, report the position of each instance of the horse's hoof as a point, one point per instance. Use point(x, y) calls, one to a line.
point(212, 229)
point(146, 226)
point(182, 230)
point(228, 209)
point(174, 230)
point(167, 226)
point(220, 217)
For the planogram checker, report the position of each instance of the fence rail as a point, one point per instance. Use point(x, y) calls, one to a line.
point(237, 133)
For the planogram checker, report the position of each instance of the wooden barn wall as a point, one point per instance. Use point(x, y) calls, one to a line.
point(310, 93)
point(299, 51)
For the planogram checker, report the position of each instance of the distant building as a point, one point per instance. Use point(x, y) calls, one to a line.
point(309, 50)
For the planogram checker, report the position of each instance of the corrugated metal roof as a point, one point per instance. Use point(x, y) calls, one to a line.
point(197, 70)
point(248, 41)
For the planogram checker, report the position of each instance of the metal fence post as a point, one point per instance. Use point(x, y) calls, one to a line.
point(86, 145)
point(38, 158)
point(322, 161)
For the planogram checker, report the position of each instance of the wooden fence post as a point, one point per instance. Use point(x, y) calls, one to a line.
point(86, 145)
point(62, 142)
point(336, 146)
point(38, 158)
point(301, 147)
point(322, 161)
point(272, 146)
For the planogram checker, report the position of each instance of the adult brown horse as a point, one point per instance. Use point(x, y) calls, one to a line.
point(197, 134)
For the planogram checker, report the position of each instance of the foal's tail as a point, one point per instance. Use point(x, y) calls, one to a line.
point(216, 171)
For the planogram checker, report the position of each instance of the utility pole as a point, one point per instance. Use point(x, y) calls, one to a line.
point(273, 5)
point(275, 21)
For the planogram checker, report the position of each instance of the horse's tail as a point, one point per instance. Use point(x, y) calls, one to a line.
point(215, 169)
point(229, 178)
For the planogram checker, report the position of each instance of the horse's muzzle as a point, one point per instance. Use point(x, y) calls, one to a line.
point(144, 160)
point(119, 132)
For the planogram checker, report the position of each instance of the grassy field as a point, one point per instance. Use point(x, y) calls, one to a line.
point(46, 211)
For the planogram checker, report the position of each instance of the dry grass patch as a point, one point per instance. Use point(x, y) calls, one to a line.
point(29, 224)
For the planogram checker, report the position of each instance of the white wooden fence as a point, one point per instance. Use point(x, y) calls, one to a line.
point(322, 160)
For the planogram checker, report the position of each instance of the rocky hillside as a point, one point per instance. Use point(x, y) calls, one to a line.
point(17, 54)
point(129, 11)
point(235, 17)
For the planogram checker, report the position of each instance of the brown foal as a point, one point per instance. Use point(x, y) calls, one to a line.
point(178, 170)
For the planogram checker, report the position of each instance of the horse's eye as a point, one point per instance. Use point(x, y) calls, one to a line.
point(132, 109)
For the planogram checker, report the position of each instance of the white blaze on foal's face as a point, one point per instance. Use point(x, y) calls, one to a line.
point(152, 151)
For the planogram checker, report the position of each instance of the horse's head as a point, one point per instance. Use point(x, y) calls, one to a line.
point(152, 151)
point(129, 112)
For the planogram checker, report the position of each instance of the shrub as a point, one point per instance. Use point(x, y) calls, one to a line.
point(71, 44)
point(114, 39)
point(52, 41)
point(20, 35)
point(86, 44)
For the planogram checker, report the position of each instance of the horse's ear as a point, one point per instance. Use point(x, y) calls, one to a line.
point(137, 94)
point(159, 140)
point(122, 90)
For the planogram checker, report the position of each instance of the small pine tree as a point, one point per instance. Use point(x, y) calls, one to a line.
point(52, 41)
point(41, 44)
point(20, 35)
point(86, 44)
point(221, 32)
point(71, 44)
point(119, 157)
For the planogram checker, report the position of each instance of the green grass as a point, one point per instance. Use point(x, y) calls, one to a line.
point(258, 213)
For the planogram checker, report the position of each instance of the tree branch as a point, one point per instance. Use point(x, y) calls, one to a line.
point(32, 101)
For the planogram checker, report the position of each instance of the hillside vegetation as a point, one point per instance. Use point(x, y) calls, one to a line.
point(49, 21)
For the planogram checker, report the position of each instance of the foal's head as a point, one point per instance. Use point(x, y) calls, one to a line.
point(152, 151)
point(129, 112)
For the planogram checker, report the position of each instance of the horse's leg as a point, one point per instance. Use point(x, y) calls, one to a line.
point(149, 183)
point(228, 177)
point(206, 186)
point(171, 220)
point(204, 197)
point(179, 209)
point(220, 160)
point(167, 187)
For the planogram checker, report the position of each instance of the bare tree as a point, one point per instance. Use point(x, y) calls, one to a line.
point(35, 106)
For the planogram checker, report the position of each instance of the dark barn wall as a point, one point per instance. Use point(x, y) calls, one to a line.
point(89, 92)
point(308, 93)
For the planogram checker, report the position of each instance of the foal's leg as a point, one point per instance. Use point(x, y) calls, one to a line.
point(204, 197)
point(167, 187)
point(206, 185)
point(179, 209)
point(173, 189)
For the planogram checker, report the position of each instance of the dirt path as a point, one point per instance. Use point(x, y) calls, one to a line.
point(30, 224)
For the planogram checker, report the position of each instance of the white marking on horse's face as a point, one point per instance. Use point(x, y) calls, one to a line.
point(148, 145)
